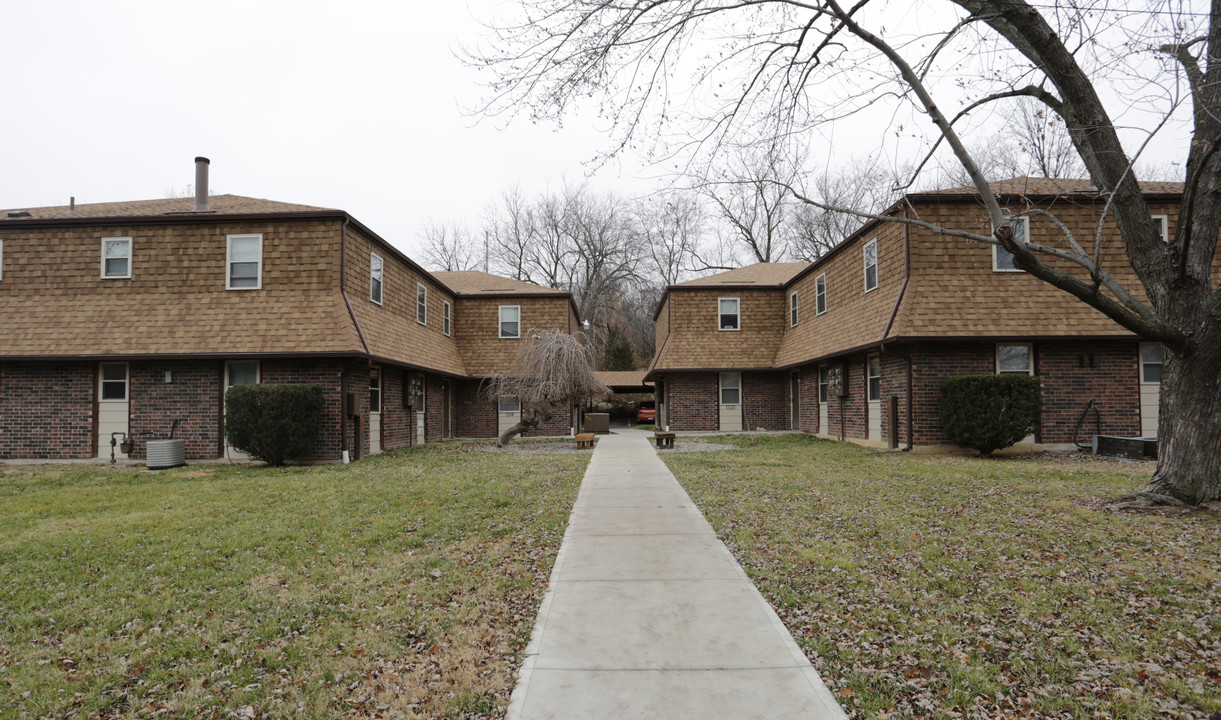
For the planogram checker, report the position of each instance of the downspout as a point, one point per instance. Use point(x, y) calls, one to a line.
point(343, 290)
point(907, 274)
point(911, 409)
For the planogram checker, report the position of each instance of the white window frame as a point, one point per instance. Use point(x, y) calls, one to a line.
point(500, 321)
point(1, 259)
point(513, 403)
point(1025, 225)
point(738, 314)
point(1163, 222)
point(377, 274)
point(375, 388)
point(738, 388)
point(127, 257)
point(447, 317)
point(1141, 359)
point(126, 381)
point(258, 285)
point(1029, 358)
point(258, 371)
point(824, 383)
point(794, 309)
point(820, 294)
point(871, 362)
point(865, 261)
point(421, 303)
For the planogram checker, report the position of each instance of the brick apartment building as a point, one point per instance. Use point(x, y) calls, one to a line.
point(895, 309)
point(122, 318)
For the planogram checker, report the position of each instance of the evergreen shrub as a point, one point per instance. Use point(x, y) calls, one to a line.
point(989, 412)
point(273, 422)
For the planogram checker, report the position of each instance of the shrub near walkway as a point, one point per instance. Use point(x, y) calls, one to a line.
point(401, 586)
point(954, 587)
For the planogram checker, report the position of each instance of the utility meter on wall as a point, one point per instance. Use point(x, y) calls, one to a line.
point(835, 381)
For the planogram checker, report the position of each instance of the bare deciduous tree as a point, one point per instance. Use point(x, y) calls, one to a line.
point(780, 69)
point(669, 226)
point(814, 231)
point(448, 246)
point(552, 370)
point(750, 200)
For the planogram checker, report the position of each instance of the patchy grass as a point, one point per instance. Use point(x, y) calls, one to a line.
point(951, 587)
point(400, 586)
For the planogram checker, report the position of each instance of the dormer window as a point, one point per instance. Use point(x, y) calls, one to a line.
point(729, 313)
point(116, 257)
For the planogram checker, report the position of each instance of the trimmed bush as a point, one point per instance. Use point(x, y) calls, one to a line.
point(272, 422)
point(989, 412)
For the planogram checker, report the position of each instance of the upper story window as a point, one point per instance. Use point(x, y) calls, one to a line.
point(1152, 356)
point(1163, 225)
point(116, 257)
point(1, 259)
point(510, 321)
point(421, 304)
point(113, 381)
point(1002, 259)
point(447, 316)
point(820, 294)
point(245, 262)
point(1014, 360)
point(375, 278)
point(871, 265)
point(730, 315)
point(793, 309)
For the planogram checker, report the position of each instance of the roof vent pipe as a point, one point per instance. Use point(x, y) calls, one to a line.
point(201, 184)
point(72, 205)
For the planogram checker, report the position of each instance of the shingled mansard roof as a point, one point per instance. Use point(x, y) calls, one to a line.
point(219, 205)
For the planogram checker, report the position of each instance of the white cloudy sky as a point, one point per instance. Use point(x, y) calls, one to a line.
point(356, 105)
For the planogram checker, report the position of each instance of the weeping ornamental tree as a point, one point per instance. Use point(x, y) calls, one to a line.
point(771, 71)
point(553, 370)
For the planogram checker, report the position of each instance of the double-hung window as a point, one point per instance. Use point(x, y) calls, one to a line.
point(116, 257)
point(1152, 356)
point(510, 321)
point(873, 385)
point(729, 311)
point(375, 278)
point(820, 294)
point(871, 265)
point(113, 381)
point(421, 304)
point(793, 309)
point(375, 390)
point(1, 259)
point(824, 382)
point(447, 316)
point(245, 262)
point(1014, 360)
point(1002, 259)
point(1162, 222)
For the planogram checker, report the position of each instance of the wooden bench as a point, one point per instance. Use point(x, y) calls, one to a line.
point(664, 439)
point(585, 440)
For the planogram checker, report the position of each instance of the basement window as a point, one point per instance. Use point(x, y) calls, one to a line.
point(116, 257)
point(245, 262)
point(730, 313)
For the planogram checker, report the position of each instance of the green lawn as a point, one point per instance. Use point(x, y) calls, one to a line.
point(952, 587)
point(401, 586)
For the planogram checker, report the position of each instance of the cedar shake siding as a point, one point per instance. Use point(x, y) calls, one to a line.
point(938, 309)
point(173, 319)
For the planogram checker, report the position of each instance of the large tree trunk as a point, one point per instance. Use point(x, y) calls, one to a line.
point(1189, 423)
point(531, 419)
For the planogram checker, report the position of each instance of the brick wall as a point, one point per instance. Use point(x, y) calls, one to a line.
point(327, 374)
point(475, 415)
point(809, 399)
point(559, 424)
point(693, 402)
point(765, 401)
point(192, 397)
point(894, 385)
point(46, 410)
point(397, 426)
point(1075, 373)
point(932, 363)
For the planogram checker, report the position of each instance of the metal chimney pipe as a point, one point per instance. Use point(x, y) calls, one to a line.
point(201, 184)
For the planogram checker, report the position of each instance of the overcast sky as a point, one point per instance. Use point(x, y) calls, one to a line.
point(354, 105)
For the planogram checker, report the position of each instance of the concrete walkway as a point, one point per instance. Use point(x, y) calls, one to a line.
point(649, 616)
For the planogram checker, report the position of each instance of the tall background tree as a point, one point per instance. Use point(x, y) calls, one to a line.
point(780, 70)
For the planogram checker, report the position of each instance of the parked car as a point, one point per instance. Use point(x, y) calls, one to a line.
point(647, 412)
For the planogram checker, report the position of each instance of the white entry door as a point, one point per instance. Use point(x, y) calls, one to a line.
point(1151, 358)
point(375, 411)
point(113, 407)
point(731, 402)
point(508, 414)
point(239, 372)
point(823, 401)
point(873, 397)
